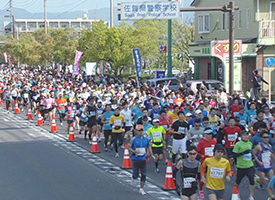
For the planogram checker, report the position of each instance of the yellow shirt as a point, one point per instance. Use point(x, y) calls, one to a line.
point(216, 171)
point(117, 121)
point(173, 117)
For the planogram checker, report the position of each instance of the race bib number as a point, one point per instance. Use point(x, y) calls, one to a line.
point(266, 159)
point(178, 103)
point(156, 116)
point(92, 113)
point(181, 129)
point(25, 95)
point(165, 127)
point(83, 115)
point(209, 151)
point(216, 172)
point(235, 113)
point(243, 122)
point(72, 115)
point(187, 182)
point(117, 122)
point(49, 106)
point(157, 135)
point(247, 156)
point(141, 151)
point(61, 105)
point(232, 137)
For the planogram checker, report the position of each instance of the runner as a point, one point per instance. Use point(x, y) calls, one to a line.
point(157, 133)
point(83, 119)
point(190, 175)
point(242, 151)
point(218, 168)
point(61, 104)
point(263, 157)
point(71, 112)
point(107, 128)
point(179, 131)
point(100, 110)
point(205, 150)
point(117, 122)
point(91, 112)
point(140, 148)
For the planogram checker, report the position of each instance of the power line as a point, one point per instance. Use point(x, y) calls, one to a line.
point(28, 5)
point(22, 3)
point(6, 6)
point(69, 9)
point(64, 5)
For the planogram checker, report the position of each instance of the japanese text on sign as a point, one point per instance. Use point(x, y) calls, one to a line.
point(221, 48)
point(149, 11)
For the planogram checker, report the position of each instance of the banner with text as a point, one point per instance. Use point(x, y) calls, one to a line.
point(78, 55)
point(150, 10)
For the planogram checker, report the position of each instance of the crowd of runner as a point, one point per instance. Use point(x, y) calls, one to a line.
point(209, 139)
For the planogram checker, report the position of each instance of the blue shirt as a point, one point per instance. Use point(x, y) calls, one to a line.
point(272, 183)
point(257, 139)
point(243, 119)
point(107, 117)
point(146, 128)
point(251, 115)
point(139, 144)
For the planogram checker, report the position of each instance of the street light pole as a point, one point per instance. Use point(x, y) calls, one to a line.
point(45, 16)
point(169, 63)
point(111, 13)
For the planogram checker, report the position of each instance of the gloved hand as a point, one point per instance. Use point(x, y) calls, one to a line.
point(194, 185)
point(247, 151)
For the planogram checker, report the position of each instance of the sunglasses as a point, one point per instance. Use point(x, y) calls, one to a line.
point(220, 151)
point(205, 122)
point(265, 137)
point(192, 154)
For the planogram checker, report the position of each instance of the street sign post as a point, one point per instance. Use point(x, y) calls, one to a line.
point(270, 62)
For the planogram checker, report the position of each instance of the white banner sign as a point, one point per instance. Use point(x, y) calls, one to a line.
point(150, 10)
point(90, 68)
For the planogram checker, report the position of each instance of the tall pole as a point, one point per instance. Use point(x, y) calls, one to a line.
point(17, 38)
point(11, 16)
point(169, 64)
point(231, 45)
point(45, 16)
point(111, 13)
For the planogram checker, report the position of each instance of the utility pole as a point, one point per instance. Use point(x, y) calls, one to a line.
point(169, 63)
point(111, 13)
point(231, 44)
point(11, 16)
point(45, 16)
point(231, 9)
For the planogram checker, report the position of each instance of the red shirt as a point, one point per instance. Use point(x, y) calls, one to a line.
point(165, 123)
point(205, 148)
point(231, 136)
point(235, 109)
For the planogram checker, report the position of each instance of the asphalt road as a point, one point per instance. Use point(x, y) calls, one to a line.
point(40, 153)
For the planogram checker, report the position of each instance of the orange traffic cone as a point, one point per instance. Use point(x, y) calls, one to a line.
point(0, 102)
point(71, 133)
point(126, 159)
point(169, 182)
point(30, 113)
point(235, 195)
point(16, 110)
point(39, 122)
point(53, 129)
point(94, 148)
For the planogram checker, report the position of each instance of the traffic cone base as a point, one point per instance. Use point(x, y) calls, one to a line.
point(40, 121)
point(53, 128)
point(126, 159)
point(16, 109)
point(71, 134)
point(235, 195)
point(94, 148)
point(169, 182)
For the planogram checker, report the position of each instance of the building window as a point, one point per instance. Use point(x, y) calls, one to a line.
point(240, 19)
point(248, 16)
point(223, 21)
point(204, 23)
point(272, 10)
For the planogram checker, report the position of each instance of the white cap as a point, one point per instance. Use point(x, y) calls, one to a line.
point(155, 120)
point(99, 101)
point(142, 106)
point(198, 112)
point(139, 101)
point(188, 114)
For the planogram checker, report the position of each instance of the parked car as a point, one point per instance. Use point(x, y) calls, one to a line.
point(211, 85)
point(157, 81)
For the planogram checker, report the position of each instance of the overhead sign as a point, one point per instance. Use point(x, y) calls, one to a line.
point(149, 10)
point(270, 62)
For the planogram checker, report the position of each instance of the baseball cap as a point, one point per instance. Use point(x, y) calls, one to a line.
point(99, 101)
point(208, 131)
point(139, 127)
point(198, 112)
point(188, 114)
point(141, 106)
point(139, 101)
point(155, 120)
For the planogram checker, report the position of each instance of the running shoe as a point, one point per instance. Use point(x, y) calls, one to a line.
point(116, 155)
point(157, 170)
point(201, 194)
point(122, 146)
point(141, 191)
point(251, 198)
point(61, 124)
point(99, 140)
point(166, 161)
point(260, 187)
point(106, 149)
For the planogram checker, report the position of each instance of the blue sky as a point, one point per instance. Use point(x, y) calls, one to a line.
point(35, 6)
